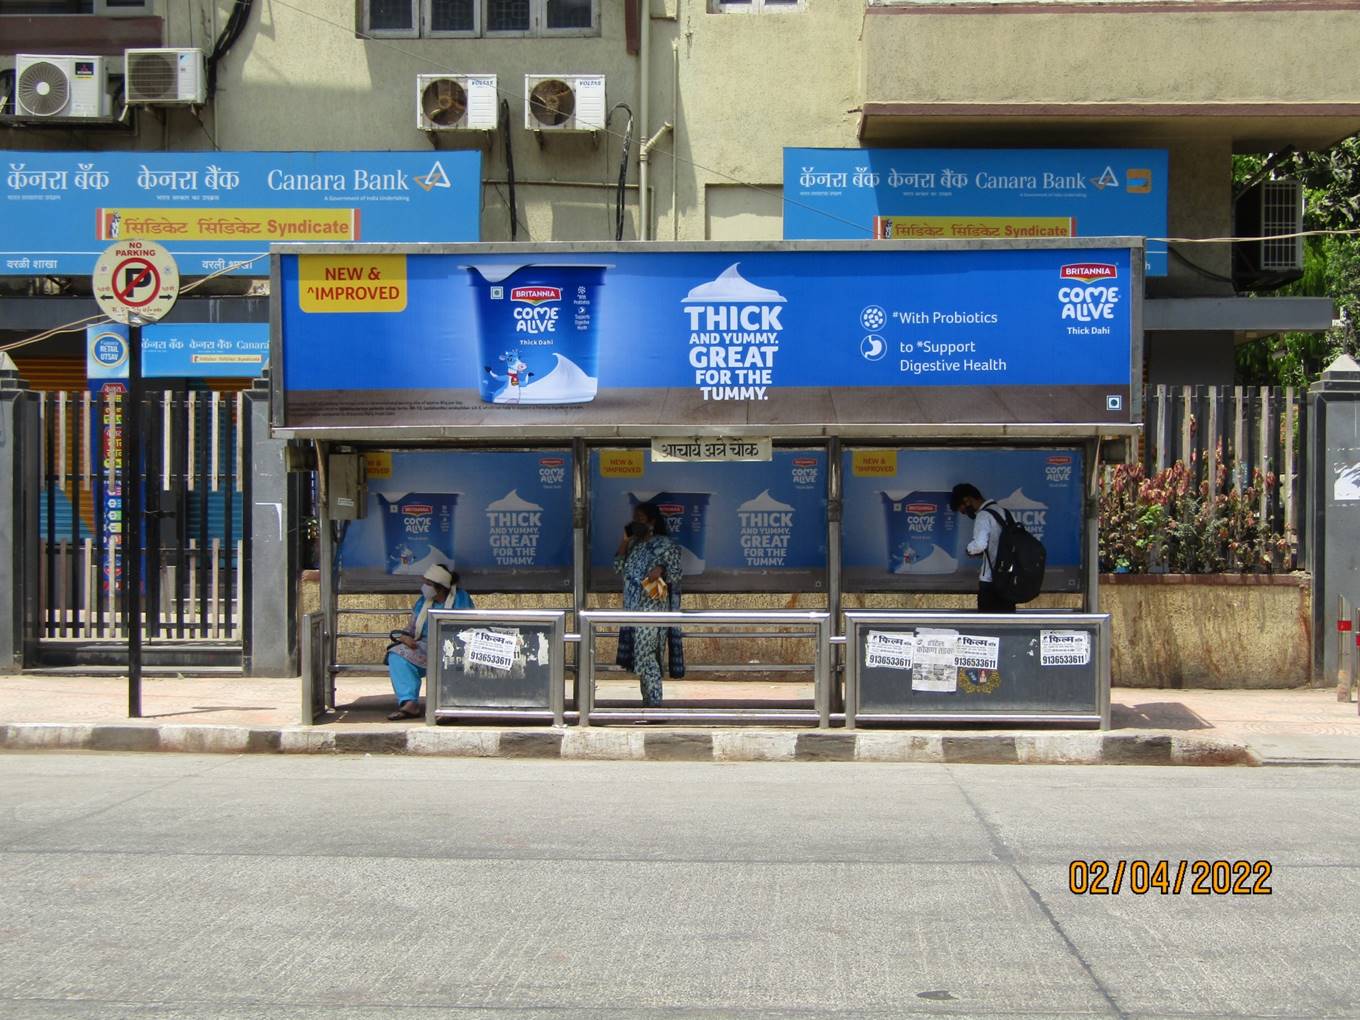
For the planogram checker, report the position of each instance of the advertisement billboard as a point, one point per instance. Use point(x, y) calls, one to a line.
point(898, 532)
point(1006, 194)
point(502, 519)
point(494, 338)
point(741, 526)
point(213, 210)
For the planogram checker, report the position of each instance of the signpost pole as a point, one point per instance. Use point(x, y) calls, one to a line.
point(132, 518)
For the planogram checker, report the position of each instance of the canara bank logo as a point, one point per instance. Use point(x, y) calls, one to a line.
point(1089, 272)
point(1109, 179)
point(417, 509)
point(536, 295)
point(435, 177)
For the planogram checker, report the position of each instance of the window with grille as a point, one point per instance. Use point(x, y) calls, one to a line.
point(425, 18)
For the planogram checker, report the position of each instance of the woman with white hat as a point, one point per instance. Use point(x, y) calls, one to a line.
point(406, 658)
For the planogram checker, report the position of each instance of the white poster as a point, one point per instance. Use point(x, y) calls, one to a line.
point(885, 650)
point(1064, 648)
point(491, 649)
point(936, 666)
point(978, 652)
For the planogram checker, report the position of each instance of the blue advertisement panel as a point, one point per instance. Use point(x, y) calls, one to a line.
point(720, 335)
point(935, 194)
point(190, 350)
point(898, 532)
point(741, 526)
point(502, 519)
point(214, 210)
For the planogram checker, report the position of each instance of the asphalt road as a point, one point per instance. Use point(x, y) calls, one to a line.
point(167, 886)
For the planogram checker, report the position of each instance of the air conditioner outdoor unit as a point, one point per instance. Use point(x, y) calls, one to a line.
point(456, 102)
point(564, 102)
point(1272, 210)
point(165, 76)
point(60, 87)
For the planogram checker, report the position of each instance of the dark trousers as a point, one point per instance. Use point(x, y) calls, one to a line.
point(990, 602)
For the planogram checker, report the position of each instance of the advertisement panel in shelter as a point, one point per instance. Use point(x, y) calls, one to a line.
point(740, 526)
point(898, 532)
point(722, 336)
point(499, 518)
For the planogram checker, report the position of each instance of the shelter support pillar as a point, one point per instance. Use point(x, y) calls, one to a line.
point(20, 483)
point(271, 647)
point(1333, 508)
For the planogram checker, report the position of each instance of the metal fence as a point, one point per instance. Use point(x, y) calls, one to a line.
point(195, 537)
point(1241, 429)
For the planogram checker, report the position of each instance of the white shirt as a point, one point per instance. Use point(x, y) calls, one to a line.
point(986, 536)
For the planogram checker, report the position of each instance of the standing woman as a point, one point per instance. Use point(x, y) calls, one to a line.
point(648, 555)
point(407, 655)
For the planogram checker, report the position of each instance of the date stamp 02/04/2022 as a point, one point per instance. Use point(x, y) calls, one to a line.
point(1101, 877)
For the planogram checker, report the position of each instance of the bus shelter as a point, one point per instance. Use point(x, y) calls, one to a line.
point(799, 412)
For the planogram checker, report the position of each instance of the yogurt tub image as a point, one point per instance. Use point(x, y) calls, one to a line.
point(686, 516)
point(538, 332)
point(923, 533)
point(418, 530)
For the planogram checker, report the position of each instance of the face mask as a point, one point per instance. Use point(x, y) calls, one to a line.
point(427, 590)
point(638, 530)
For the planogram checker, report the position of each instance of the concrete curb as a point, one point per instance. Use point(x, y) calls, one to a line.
point(636, 744)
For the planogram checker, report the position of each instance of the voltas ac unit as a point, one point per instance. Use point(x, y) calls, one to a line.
point(564, 102)
point(456, 102)
point(166, 76)
point(60, 87)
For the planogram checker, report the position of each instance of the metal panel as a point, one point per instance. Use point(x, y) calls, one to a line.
point(1020, 690)
point(529, 685)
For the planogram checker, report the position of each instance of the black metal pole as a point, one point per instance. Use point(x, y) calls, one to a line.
point(132, 518)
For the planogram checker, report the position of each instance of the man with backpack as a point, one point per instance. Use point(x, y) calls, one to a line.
point(987, 516)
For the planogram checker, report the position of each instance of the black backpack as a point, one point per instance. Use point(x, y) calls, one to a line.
point(1018, 573)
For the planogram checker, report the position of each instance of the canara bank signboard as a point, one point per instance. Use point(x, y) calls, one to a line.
point(213, 210)
point(511, 338)
point(961, 194)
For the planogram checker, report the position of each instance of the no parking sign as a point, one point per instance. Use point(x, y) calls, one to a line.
point(135, 281)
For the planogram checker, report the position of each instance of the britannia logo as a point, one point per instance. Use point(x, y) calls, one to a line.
point(921, 508)
point(1060, 460)
point(551, 462)
point(805, 462)
point(417, 509)
point(1089, 272)
point(535, 295)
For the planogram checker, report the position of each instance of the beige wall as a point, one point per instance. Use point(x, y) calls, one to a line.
point(1231, 56)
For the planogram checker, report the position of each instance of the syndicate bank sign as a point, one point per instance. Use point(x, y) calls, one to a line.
point(219, 211)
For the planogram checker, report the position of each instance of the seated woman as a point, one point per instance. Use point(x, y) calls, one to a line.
point(406, 659)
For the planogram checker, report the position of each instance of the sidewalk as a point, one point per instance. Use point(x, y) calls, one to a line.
point(232, 713)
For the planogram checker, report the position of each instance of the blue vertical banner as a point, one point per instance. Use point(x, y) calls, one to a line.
point(502, 519)
point(741, 526)
point(973, 194)
point(898, 532)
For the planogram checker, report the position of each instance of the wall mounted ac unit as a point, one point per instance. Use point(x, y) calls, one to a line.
point(1272, 210)
point(456, 102)
point(60, 87)
point(564, 102)
point(165, 76)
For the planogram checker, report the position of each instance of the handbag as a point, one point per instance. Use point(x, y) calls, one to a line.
point(656, 589)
